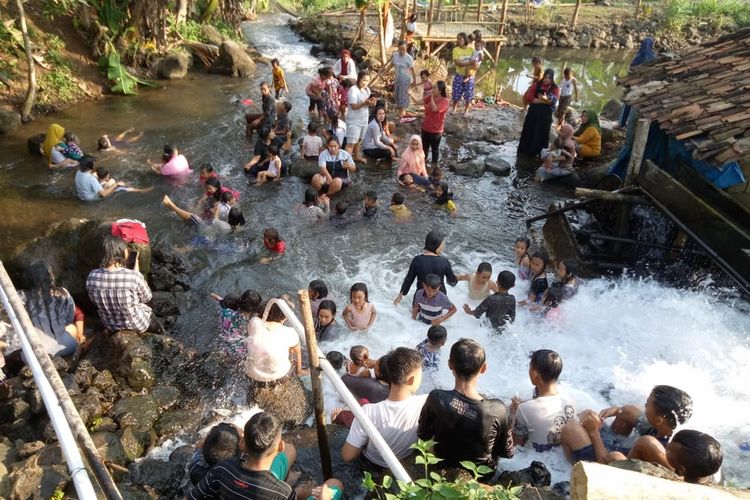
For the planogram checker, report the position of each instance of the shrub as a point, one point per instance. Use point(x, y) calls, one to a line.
point(434, 486)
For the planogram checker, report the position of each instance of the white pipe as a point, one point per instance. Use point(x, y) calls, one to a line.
point(372, 432)
point(78, 473)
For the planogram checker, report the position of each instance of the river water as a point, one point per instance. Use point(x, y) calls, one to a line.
point(618, 338)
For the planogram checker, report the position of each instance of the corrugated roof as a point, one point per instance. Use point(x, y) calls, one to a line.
point(701, 97)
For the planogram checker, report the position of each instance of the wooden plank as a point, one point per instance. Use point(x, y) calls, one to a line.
point(687, 135)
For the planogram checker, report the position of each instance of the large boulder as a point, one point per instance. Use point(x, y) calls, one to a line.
point(211, 35)
point(163, 478)
point(497, 165)
point(72, 248)
point(109, 447)
point(303, 168)
point(612, 110)
point(233, 61)
point(173, 66)
point(9, 120)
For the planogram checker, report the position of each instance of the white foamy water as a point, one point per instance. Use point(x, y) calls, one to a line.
point(617, 340)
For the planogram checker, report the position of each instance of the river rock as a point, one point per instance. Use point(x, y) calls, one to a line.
point(15, 409)
point(540, 493)
point(182, 455)
point(173, 66)
point(109, 446)
point(136, 442)
point(136, 411)
point(211, 35)
point(645, 468)
point(50, 455)
point(29, 449)
point(34, 144)
point(303, 168)
point(289, 401)
point(89, 406)
point(9, 120)
point(535, 474)
point(497, 165)
point(12, 388)
point(72, 248)
point(471, 168)
point(26, 483)
point(233, 61)
point(163, 478)
point(165, 396)
point(106, 385)
point(176, 420)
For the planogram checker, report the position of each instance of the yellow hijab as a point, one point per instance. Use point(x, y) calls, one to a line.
point(54, 136)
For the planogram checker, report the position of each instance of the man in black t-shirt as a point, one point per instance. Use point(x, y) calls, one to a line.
point(255, 121)
point(465, 425)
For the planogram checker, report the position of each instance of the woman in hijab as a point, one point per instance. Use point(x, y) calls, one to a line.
point(428, 262)
point(543, 96)
point(645, 54)
point(412, 162)
point(558, 160)
point(588, 137)
point(55, 157)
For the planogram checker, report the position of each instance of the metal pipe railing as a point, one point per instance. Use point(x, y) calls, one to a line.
point(78, 473)
point(373, 434)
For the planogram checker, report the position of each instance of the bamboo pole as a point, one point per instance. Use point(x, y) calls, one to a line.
point(503, 16)
point(317, 383)
point(28, 101)
point(429, 19)
point(610, 196)
point(69, 410)
point(575, 13)
point(479, 11)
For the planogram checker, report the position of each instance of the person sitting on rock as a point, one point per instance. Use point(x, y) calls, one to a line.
point(591, 440)
point(261, 475)
point(466, 425)
point(52, 311)
point(121, 294)
point(221, 443)
point(539, 421)
point(396, 418)
point(588, 137)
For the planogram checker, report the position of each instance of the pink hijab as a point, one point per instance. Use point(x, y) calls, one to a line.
point(412, 162)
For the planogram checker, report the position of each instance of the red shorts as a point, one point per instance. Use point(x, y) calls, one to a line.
point(78, 315)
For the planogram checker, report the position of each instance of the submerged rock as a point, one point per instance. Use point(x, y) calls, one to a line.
point(471, 168)
point(497, 165)
point(9, 120)
point(136, 442)
point(109, 446)
point(176, 420)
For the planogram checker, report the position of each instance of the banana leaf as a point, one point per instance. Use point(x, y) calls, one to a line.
point(125, 83)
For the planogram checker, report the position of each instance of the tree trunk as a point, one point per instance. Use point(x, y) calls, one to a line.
point(28, 103)
point(382, 13)
point(637, 8)
point(181, 11)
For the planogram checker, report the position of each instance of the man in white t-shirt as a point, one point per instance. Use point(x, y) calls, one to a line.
point(357, 114)
point(397, 417)
point(539, 421)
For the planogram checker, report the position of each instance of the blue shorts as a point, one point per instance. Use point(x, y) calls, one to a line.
point(462, 89)
point(611, 440)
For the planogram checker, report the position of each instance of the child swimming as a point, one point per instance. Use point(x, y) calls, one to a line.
point(360, 364)
point(523, 261)
point(538, 283)
point(481, 285)
point(360, 314)
point(274, 244)
point(444, 198)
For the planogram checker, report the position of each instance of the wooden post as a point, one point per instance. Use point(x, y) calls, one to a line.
point(637, 8)
point(382, 22)
point(610, 196)
point(317, 383)
point(575, 13)
point(479, 11)
point(404, 19)
point(429, 19)
point(69, 410)
point(636, 154)
point(503, 16)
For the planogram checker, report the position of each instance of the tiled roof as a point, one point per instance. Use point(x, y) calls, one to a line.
point(701, 97)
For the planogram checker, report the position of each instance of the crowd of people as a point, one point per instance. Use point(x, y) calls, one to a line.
point(254, 462)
